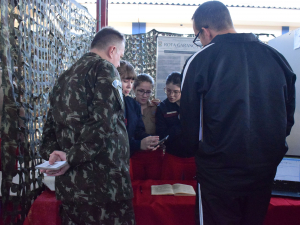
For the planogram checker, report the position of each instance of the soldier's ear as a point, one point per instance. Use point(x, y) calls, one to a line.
point(111, 51)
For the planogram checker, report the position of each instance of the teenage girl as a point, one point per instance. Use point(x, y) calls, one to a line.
point(178, 162)
point(146, 164)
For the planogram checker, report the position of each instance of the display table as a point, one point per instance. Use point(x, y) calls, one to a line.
point(283, 211)
point(162, 210)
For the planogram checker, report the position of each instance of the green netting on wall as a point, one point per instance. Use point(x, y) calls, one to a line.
point(39, 40)
point(140, 50)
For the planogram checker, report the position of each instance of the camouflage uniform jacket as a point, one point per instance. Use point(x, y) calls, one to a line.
point(86, 120)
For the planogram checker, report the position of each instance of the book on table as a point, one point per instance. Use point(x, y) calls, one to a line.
point(175, 189)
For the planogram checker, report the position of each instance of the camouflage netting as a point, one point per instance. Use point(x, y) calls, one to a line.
point(39, 40)
point(140, 50)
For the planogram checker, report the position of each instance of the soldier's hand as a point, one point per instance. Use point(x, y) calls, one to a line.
point(57, 156)
point(58, 172)
point(54, 157)
point(148, 143)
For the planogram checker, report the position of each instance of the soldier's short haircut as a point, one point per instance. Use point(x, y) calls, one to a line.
point(143, 77)
point(214, 15)
point(107, 36)
point(126, 70)
point(174, 78)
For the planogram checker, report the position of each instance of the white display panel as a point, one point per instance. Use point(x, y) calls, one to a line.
point(172, 52)
point(285, 44)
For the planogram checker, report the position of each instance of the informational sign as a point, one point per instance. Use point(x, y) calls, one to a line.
point(172, 52)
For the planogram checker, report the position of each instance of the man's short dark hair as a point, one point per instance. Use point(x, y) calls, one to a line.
point(214, 15)
point(105, 37)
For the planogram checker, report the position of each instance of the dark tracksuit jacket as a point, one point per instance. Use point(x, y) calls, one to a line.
point(168, 123)
point(248, 92)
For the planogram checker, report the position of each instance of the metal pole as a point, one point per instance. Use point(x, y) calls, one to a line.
point(104, 13)
point(98, 15)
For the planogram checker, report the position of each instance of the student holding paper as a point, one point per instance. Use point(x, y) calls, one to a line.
point(179, 161)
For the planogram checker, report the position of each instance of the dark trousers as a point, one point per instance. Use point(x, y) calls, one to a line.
point(110, 213)
point(221, 208)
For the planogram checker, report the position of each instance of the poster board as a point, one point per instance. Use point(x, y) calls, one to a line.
point(172, 52)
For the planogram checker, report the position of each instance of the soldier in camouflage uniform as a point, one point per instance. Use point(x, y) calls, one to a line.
point(85, 126)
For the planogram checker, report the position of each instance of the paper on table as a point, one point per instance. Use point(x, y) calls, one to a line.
point(164, 189)
point(175, 189)
point(183, 189)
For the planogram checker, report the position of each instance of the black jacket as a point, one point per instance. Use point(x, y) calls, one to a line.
point(248, 91)
point(134, 124)
point(168, 123)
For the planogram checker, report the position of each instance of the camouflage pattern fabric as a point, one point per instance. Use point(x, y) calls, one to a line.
point(86, 120)
point(140, 50)
point(110, 213)
point(39, 40)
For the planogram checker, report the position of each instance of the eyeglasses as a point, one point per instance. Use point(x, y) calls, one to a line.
point(196, 41)
point(169, 92)
point(142, 92)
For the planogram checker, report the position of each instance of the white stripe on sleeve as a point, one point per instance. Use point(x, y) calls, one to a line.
point(189, 62)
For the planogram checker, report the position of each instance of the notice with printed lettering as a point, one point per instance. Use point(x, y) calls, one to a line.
point(172, 52)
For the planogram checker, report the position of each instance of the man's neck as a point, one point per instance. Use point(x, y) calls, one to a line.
point(101, 53)
point(227, 31)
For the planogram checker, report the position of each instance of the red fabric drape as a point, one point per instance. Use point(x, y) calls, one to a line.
point(44, 210)
point(177, 168)
point(162, 210)
point(145, 165)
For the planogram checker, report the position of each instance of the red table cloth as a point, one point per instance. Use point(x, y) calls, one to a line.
point(162, 210)
point(283, 211)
